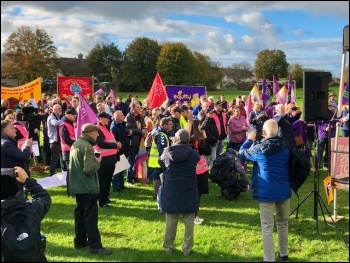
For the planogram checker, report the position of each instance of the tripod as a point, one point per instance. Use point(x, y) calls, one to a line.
point(318, 201)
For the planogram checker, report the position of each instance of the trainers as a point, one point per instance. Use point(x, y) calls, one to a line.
point(284, 258)
point(105, 205)
point(197, 221)
point(200, 219)
point(130, 184)
point(102, 251)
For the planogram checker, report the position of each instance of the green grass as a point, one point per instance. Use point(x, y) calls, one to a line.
point(134, 229)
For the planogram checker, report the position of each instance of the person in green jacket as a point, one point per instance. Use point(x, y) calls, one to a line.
point(84, 184)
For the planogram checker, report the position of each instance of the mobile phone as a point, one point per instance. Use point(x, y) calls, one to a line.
point(251, 129)
point(97, 155)
point(9, 171)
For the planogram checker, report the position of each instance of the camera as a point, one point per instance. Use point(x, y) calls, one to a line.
point(29, 113)
point(294, 108)
point(97, 155)
point(9, 171)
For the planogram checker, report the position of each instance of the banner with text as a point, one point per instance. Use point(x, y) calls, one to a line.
point(342, 160)
point(31, 90)
point(186, 93)
point(73, 85)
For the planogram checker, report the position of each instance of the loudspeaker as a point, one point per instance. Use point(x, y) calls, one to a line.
point(315, 95)
point(346, 39)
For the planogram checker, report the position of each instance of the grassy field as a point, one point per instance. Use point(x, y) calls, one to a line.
point(134, 229)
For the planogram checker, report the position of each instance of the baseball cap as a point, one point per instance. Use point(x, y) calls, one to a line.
point(104, 115)
point(218, 103)
point(9, 186)
point(71, 111)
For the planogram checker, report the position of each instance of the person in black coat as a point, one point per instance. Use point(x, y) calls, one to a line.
point(284, 126)
point(118, 128)
point(36, 208)
point(11, 155)
point(179, 193)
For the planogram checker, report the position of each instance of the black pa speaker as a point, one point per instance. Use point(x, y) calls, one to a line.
point(315, 95)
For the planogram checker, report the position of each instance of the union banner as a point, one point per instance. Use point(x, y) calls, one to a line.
point(73, 85)
point(31, 90)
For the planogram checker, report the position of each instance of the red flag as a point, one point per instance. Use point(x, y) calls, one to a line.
point(157, 94)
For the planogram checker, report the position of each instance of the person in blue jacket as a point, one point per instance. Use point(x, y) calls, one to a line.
point(270, 185)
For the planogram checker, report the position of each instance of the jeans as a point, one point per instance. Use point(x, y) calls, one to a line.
point(133, 150)
point(322, 147)
point(267, 211)
point(118, 181)
point(220, 147)
point(210, 158)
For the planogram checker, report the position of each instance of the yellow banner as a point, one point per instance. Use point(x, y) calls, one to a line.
point(328, 188)
point(25, 92)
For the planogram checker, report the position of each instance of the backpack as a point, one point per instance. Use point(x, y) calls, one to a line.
point(224, 174)
point(21, 240)
point(299, 169)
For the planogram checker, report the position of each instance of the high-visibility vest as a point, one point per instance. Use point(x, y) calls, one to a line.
point(154, 153)
point(24, 132)
point(65, 147)
point(217, 122)
point(109, 137)
point(202, 165)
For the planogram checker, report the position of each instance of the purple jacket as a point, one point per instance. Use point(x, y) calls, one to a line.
point(321, 129)
point(237, 135)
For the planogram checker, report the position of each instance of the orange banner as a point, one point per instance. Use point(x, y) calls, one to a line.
point(328, 188)
point(31, 90)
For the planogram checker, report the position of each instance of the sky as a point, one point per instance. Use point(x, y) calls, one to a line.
point(229, 32)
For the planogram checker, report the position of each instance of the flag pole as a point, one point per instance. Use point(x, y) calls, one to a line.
point(57, 86)
point(93, 85)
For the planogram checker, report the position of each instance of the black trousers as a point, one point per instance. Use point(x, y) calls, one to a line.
point(86, 221)
point(105, 175)
point(55, 157)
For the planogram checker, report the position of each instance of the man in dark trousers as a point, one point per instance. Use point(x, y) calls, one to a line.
point(83, 183)
point(118, 128)
point(67, 137)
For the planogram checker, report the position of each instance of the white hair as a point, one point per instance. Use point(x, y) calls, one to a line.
point(270, 128)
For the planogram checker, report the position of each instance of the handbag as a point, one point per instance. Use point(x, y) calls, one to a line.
point(299, 140)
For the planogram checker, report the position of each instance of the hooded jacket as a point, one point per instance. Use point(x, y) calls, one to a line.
point(180, 192)
point(270, 176)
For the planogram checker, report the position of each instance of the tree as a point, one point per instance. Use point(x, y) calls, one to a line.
point(207, 73)
point(176, 64)
point(139, 65)
point(296, 70)
point(105, 61)
point(242, 65)
point(29, 55)
point(271, 63)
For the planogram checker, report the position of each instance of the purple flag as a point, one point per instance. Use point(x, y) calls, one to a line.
point(346, 95)
point(99, 92)
point(265, 95)
point(111, 94)
point(275, 85)
point(291, 90)
point(85, 115)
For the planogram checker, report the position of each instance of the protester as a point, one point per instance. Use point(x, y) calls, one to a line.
point(179, 193)
point(136, 128)
point(118, 128)
point(161, 140)
point(199, 142)
point(83, 183)
point(270, 186)
point(34, 210)
point(108, 147)
point(53, 123)
point(67, 137)
point(11, 155)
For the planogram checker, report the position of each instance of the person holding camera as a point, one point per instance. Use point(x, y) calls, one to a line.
point(11, 155)
point(257, 119)
point(270, 186)
point(83, 183)
point(12, 206)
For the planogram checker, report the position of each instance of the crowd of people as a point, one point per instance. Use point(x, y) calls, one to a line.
point(180, 140)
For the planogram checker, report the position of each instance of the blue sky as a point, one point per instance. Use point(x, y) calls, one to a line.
point(309, 33)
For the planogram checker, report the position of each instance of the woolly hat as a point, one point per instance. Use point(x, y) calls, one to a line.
point(9, 186)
